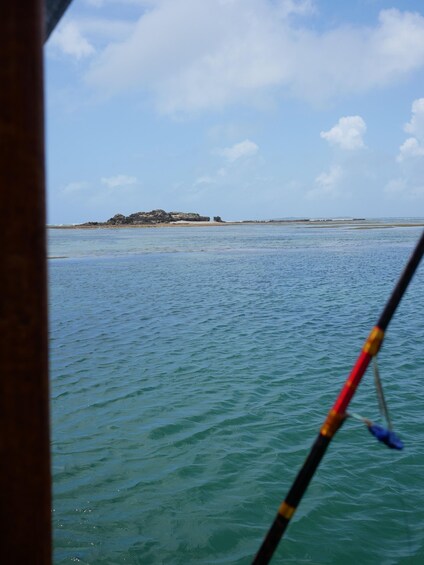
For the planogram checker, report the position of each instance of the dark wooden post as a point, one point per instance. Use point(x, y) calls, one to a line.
point(24, 416)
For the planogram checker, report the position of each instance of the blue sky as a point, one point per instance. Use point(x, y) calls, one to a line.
point(247, 109)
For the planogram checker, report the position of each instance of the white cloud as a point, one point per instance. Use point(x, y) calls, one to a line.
point(118, 181)
point(203, 180)
point(76, 186)
point(105, 30)
point(69, 39)
point(101, 3)
point(295, 7)
point(327, 183)
point(414, 146)
point(238, 170)
point(410, 148)
point(245, 148)
point(416, 125)
point(410, 159)
point(83, 37)
point(347, 133)
point(195, 55)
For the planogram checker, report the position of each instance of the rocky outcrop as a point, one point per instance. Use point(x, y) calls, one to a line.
point(155, 217)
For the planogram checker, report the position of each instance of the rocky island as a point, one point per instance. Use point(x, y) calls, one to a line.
point(151, 218)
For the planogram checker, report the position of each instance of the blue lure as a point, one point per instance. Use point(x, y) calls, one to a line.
point(386, 436)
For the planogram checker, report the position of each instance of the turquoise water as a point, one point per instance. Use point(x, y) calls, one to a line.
point(191, 370)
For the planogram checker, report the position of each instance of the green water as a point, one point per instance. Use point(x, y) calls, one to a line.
point(191, 371)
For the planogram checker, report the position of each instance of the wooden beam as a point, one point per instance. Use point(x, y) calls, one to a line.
point(25, 512)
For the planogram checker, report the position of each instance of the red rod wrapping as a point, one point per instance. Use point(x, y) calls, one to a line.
point(352, 383)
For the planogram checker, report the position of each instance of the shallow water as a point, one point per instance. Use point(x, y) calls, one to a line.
point(191, 370)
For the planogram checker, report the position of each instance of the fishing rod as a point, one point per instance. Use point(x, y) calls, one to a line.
point(337, 414)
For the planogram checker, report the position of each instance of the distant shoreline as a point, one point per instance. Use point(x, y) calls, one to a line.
point(136, 226)
point(325, 223)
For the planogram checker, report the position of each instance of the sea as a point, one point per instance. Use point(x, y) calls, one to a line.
point(191, 370)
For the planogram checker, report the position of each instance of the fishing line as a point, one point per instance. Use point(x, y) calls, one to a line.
point(385, 435)
point(382, 404)
point(384, 412)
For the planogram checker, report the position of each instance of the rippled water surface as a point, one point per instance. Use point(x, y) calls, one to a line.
point(191, 370)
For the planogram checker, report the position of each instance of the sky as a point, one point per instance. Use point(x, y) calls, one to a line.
point(244, 109)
